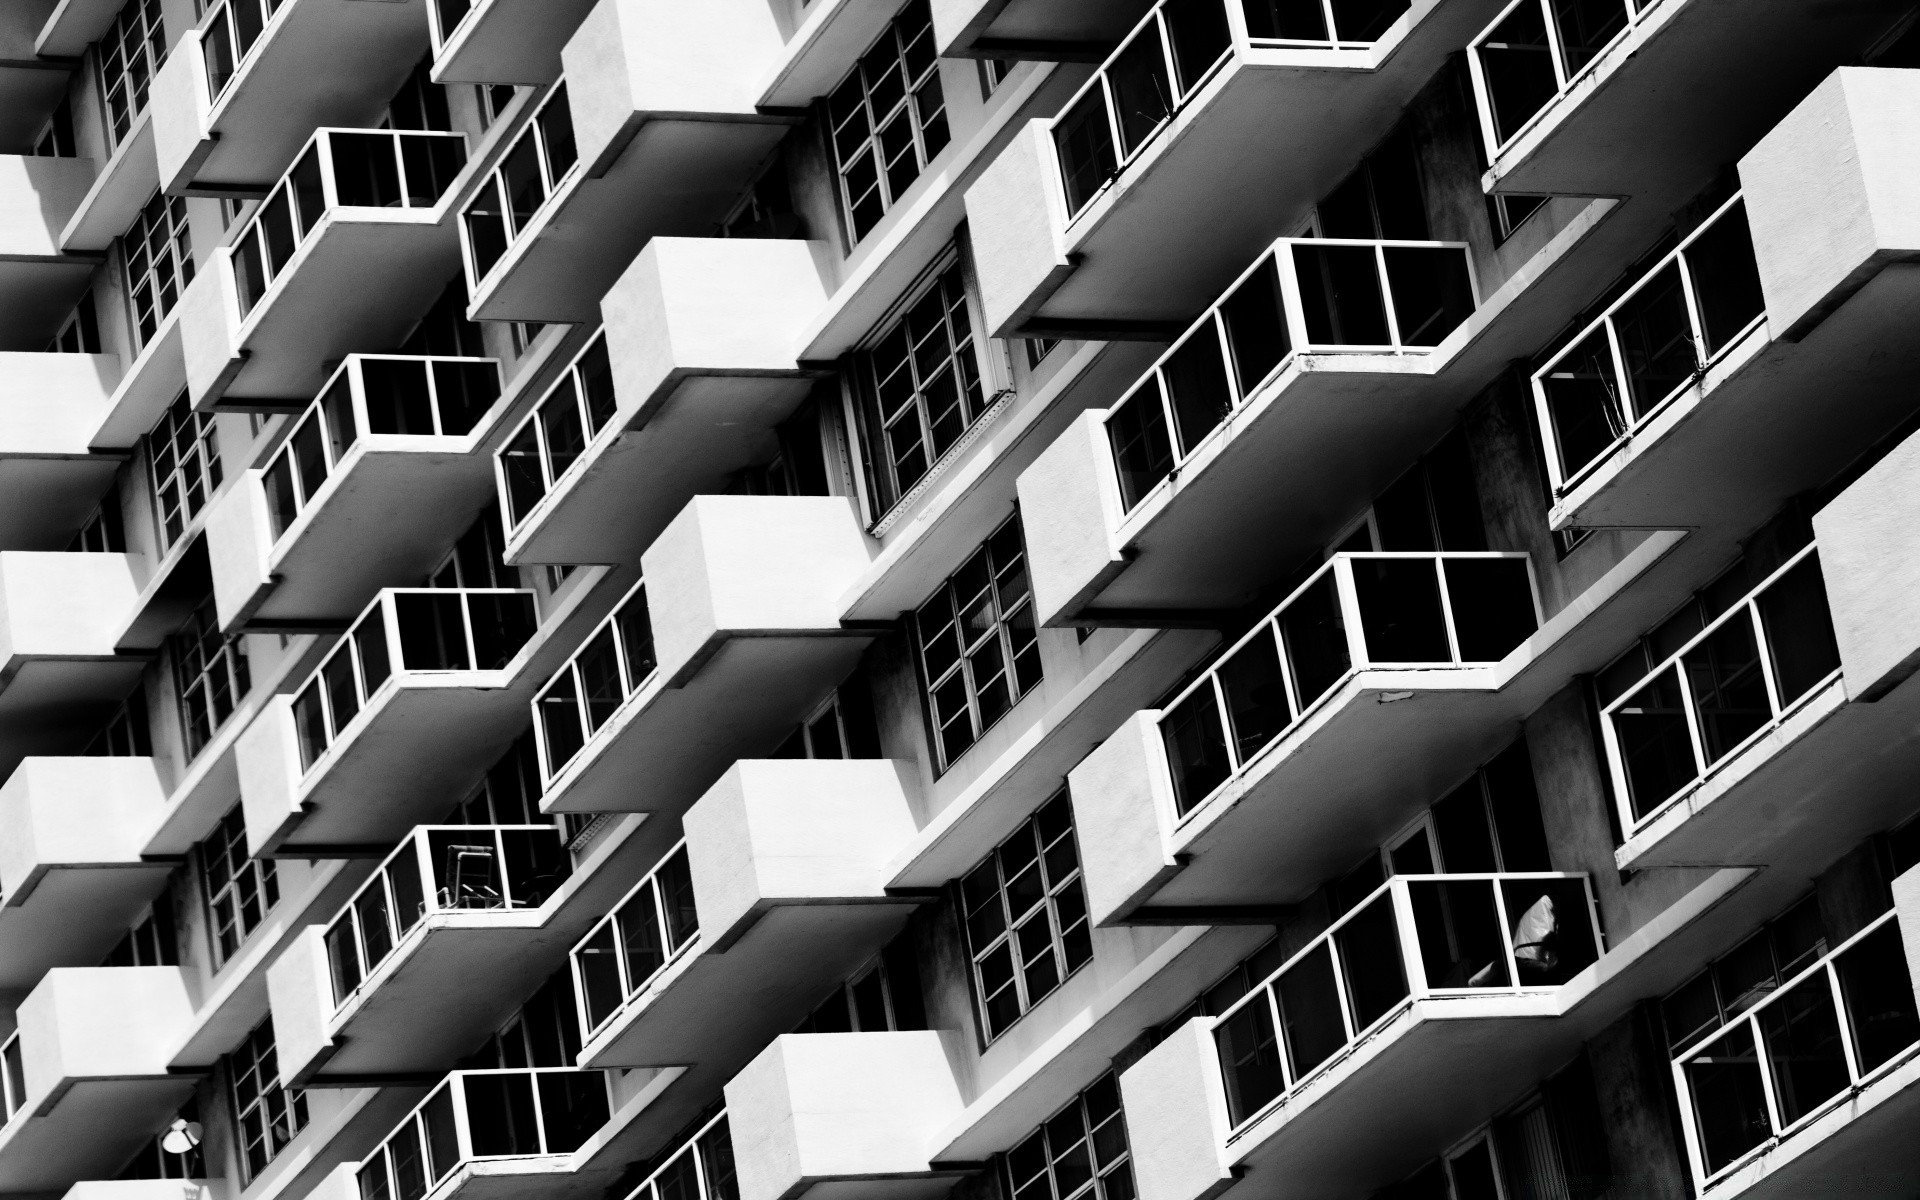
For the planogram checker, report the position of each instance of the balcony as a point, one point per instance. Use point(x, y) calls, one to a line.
point(86, 1079)
point(29, 89)
point(730, 640)
point(60, 675)
point(426, 684)
point(776, 895)
point(38, 283)
point(50, 479)
point(1685, 401)
point(1140, 178)
point(1015, 29)
point(501, 41)
point(654, 131)
point(237, 96)
point(377, 479)
point(1374, 687)
point(346, 252)
point(694, 369)
point(72, 875)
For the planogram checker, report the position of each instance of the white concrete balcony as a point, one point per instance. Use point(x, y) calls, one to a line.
point(776, 894)
point(39, 282)
point(427, 683)
point(85, 1079)
point(833, 1114)
point(1143, 177)
point(501, 41)
point(653, 131)
point(347, 251)
point(732, 636)
point(51, 479)
point(59, 671)
point(377, 479)
point(1685, 401)
point(1043, 29)
point(72, 875)
point(695, 367)
point(237, 96)
point(1375, 686)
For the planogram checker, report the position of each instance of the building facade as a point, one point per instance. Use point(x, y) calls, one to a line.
point(1006, 599)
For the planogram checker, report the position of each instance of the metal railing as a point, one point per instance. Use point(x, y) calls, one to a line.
point(1724, 688)
point(471, 868)
point(1422, 610)
point(1301, 296)
point(519, 1112)
point(621, 955)
point(13, 1078)
point(556, 434)
point(1649, 346)
point(409, 630)
point(1534, 50)
point(702, 1169)
point(1415, 937)
point(1824, 1035)
point(232, 29)
point(606, 671)
point(538, 164)
point(382, 395)
point(341, 168)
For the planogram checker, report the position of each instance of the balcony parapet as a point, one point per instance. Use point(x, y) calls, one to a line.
point(501, 41)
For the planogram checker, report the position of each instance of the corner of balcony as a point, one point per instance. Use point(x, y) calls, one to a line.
point(50, 479)
point(59, 670)
point(503, 41)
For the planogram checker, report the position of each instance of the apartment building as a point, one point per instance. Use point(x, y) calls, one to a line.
point(1004, 599)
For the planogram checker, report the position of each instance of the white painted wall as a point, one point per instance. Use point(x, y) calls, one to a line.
point(75, 810)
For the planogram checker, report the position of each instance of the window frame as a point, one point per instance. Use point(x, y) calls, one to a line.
point(1096, 1186)
point(124, 91)
point(207, 666)
point(1048, 907)
point(1004, 623)
point(925, 128)
point(265, 1112)
point(182, 453)
point(249, 892)
point(156, 257)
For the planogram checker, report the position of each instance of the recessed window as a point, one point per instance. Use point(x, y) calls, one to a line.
point(1080, 1153)
point(183, 462)
point(240, 890)
point(210, 671)
point(888, 119)
point(1026, 917)
point(158, 252)
point(130, 53)
point(979, 650)
point(268, 1114)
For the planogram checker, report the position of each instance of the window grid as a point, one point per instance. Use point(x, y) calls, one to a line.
point(80, 332)
point(922, 379)
point(268, 1114)
point(210, 671)
point(183, 461)
point(241, 891)
point(130, 53)
point(888, 119)
point(1080, 1152)
point(158, 252)
point(1026, 917)
point(979, 649)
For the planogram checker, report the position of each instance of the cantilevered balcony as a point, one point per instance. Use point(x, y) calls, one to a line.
point(425, 684)
point(50, 479)
point(379, 476)
point(1042, 29)
point(653, 131)
point(238, 95)
point(59, 671)
point(38, 283)
point(1685, 402)
point(85, 1074)
point(72, 875)
point(730, 639)
point(1131, 207)
point(501, 41)
point(30, 89)
point(1369, 692)
point(696, 365)
point(776, 895)
point(346, 252)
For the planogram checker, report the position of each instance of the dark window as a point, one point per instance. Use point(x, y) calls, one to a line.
point(920, 389)
point(158, 252)
point(130, 52)
point(1026, 917)
point(210, 673)
point(240, 891)
point(882, 996)
point(268, 1114)
point(888, 119)
point(1080, 1152)
point(979, 650)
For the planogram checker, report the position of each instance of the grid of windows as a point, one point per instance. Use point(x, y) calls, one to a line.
point(240, 891)
point(1746, 974)
point(884, 996)
point(889, 118)
point(130, 52)
point(268, 1114)
point(210, 671)
point(158, 252)
point(1080, 1152)
point(183, 462)
point(1026, 917)
point(103, 533)
point(922, 389)
point(978, 646)
point(125, 734)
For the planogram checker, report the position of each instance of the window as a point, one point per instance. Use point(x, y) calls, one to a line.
point(510, 793)
point(102, 534)
point(1550, 1146)
point(1038, 349)
point(445, 331)
point(149, 942)
point(80, 332)
point(843, 727)
point(1382, 199)
point(884, 996)
point(1081, 1151)
point(158, 253)
point(268, 1114)
point(183, 462)
point(475, 561)
point(993, 73)
point(125, 734)
point(493, 99)
point(1026, 917)
point(130, 52)
point(155, 1161)
point(767, 209)
point(240, 891)
point(1745, 975)
point(530, 172)
point(1435, 506)
point(888, 119)
point(210, 672)
point(979, 651)
point(556, 434)
point(544, 1033)
point(1508, 213)
point(799, 466)
point(56, 140)
point(419, 104)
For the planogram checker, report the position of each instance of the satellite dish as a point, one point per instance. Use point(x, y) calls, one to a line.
point(181, 1136)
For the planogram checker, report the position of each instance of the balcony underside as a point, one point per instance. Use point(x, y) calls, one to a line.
point(54, 705)
point(674, 178)
point(1038, 29)
point(37, 294)
point(686, 440)
point(29, 92)
point(91, 1131)
point(510, 41)
point(45, 499)
point(1864, 1150)
point(72, 917)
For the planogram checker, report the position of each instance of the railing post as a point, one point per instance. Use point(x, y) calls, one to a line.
point(429, 883)
point(390, 629)
point(1446, 609)
point(1407, 932)
point(1505, 921)
point(1348, 595)
point(462, 1120)
point(329, 188)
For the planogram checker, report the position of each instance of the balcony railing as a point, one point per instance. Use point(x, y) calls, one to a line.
point(542, 158)
point(1357, 611)
point(556, 433)
point(1649, 345)
point(1534, 50)
point(341, 168)
point(1303, 295)
point(623, 953)
point(472, 868)
point(13, 1078)
point(1417, 936)
point(380, 394)
point(1831, 1031)
point(233, 27)
point(414, 630)
point(521, 1112)
point(445, 17)
point(593, 685)
point(1723, 689)
point(1166, 58)
point(701, 1170)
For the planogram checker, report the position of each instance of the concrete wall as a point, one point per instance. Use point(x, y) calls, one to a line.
point(82, 811)
point(1122, 820)
point(1873, 584)
point(1177, 1117)
point(239, 539)
point(300, 995)
point(55, 605)
point(1016, 220)
point(1069, 512)
point(101, 1023)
